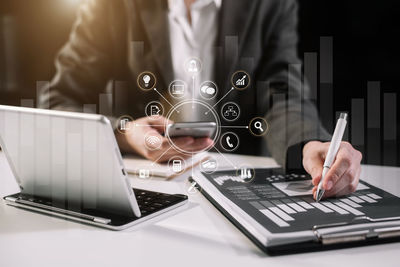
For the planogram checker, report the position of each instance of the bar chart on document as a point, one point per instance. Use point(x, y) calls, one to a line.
point(283, 202)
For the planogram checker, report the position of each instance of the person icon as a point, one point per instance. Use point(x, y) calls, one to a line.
point(193, 68)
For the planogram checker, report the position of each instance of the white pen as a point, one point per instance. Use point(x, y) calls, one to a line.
point(332, 151)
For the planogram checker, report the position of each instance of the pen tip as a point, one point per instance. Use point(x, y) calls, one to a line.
point(319, 195)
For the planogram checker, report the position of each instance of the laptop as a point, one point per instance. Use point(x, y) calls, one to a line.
point(69, 165)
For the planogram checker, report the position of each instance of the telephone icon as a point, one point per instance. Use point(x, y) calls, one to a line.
point(228, 142)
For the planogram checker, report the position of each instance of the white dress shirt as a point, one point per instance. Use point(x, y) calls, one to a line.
point(193, 40)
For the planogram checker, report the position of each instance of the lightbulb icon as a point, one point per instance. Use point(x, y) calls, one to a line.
point(146, 79)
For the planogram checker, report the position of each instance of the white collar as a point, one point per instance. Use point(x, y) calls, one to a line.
point(178, 6)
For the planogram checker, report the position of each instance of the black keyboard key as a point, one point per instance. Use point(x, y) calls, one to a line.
point(150, 202)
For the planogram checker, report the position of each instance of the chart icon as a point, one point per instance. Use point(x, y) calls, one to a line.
point(240, 80)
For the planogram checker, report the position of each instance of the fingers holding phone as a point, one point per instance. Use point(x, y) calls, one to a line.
point(202, 132)
point(147, 137)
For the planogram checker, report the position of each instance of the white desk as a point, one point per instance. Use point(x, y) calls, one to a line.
point(197, 236)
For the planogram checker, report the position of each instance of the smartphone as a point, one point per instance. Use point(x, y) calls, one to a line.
point(193, 129)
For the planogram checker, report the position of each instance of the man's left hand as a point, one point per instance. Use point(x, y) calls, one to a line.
point(344, 174)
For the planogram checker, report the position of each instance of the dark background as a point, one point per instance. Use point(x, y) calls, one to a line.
point(365, 48)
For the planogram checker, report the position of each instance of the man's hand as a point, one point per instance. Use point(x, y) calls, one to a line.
point(133, 141)
point(344, 174)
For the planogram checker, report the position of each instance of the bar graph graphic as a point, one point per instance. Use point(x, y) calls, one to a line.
point(282, 212)
point(241, 81)
point(285, 199)
point(372, 126)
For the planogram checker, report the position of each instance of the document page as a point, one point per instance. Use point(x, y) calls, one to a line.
point(283, 203)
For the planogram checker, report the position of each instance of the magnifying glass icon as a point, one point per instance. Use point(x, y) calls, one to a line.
point(258, 126)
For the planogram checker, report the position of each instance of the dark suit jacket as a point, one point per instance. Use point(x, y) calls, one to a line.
point(113, 41)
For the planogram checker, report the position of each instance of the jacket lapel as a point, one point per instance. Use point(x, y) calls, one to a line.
point(234, 25)
point(234, 21)
point(154, 14)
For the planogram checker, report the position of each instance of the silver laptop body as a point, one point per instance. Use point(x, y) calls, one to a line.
point(70, 158)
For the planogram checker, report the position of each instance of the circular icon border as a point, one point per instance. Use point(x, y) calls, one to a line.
point(208, 158)
point(184, 84)
point(247, 167)
point(222, 109)
point(149, 147)
point(187, 62)
point(216, 90)
point(118, 121)
point(182, 160)
point(210, 108)
point(264, 133)
point(154, 117)
point(149, 73)
point(233, 83)
point(233, 149)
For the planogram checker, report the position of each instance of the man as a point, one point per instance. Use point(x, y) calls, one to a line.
point(117, 40)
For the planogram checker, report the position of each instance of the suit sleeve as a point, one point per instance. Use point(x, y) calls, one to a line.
point(82, 65)
point(293, 119)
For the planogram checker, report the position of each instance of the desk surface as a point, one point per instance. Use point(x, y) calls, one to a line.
point(196, 236)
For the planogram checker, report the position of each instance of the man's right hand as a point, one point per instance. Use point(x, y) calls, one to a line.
point(133, 140)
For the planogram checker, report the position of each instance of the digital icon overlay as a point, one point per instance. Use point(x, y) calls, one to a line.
point(246, 173)
point(177, 89)
point(193, 188)
point(154, 110)
point(208, 90)
point(152, 141)
point(240, 80)
point(230, 111)
point(123, 124)
point(193, 66)
point(258, 126)
point(146, 81)
point(229, 141)
point(209, 165)
point(177, 164)
point(199, 107)
point(144, 173)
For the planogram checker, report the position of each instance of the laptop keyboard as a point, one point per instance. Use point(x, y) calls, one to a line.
point(150, 202)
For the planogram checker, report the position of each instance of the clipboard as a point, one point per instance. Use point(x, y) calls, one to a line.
point(340, 233)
